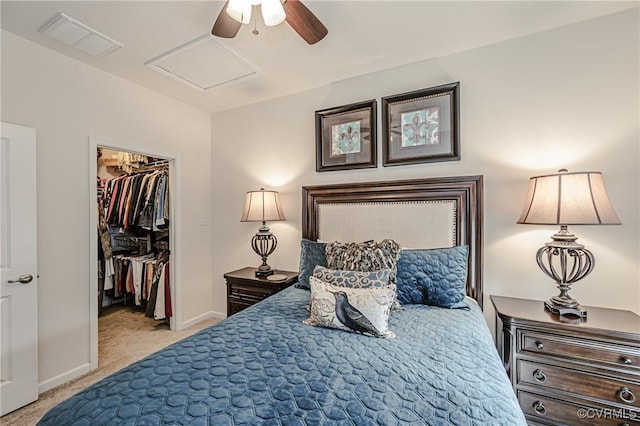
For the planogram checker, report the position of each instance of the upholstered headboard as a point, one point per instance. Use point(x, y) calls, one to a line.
point(420, 213)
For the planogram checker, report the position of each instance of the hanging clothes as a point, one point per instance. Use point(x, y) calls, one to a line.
point(105, 252)
point(139, 199)
point(163, 302)
point(156, 306)
point(103, 231)
point(144, 280)
point(135, 208)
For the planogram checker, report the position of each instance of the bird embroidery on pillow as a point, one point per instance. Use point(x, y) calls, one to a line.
point(351, 317)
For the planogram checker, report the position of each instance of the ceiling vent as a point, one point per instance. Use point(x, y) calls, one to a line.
point(203, 64)
point(76, 34)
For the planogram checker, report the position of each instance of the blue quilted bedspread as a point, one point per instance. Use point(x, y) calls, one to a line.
point(264, 366)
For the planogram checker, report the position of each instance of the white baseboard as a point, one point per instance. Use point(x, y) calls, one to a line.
point(202, 317)
point(63, 378)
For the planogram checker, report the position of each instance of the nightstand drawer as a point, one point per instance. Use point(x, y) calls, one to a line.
point(583, 350)
point(249, 292)
point(546, 410)
point(605, 388)
point(244, 288)
point(237, 305)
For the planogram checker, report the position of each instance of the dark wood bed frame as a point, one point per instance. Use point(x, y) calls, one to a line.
point(464, 191)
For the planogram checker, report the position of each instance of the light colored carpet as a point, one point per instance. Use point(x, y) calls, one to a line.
point(125, 336)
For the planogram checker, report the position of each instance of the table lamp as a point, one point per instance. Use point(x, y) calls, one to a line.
point(263, 206)
point(564, 198)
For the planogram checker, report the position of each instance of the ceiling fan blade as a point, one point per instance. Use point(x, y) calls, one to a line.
point(225, 26)
point(304, 22)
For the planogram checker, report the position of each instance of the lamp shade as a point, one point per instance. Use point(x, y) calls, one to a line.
point(564, 198)
point(262, 206)
point(272, 12)
point(240, 10)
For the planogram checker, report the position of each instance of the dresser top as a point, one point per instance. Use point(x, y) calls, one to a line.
point(598, 319)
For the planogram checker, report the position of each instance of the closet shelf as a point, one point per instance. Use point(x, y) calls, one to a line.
point(110, 162)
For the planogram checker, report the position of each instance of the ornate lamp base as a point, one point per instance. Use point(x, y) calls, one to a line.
point(264, 243)
point(265, 272)
point(562, 310)
point(566, 262)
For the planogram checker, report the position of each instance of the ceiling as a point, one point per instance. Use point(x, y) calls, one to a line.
point(364, 36)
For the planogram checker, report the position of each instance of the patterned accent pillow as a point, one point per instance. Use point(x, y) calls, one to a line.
point(436, 277)
point(358, 310)
point(312, 253)
point(369, 256)
point(352, 279)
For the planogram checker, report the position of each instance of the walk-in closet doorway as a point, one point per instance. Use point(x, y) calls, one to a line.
point(147, 245)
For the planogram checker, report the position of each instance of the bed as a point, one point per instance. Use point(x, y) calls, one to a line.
point(265, 366)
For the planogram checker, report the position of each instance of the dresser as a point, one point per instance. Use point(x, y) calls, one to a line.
point(245, 289)
point(567, 370)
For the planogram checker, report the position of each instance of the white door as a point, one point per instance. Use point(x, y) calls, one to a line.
point(18, 274)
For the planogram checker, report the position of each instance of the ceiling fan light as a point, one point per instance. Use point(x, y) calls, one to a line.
point(240, 10)
point(272, 12)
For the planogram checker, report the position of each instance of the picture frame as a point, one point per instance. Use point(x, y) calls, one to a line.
point(421, 126)
point(346, 137)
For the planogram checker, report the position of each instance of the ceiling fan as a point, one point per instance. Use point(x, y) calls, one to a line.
point(234, 13)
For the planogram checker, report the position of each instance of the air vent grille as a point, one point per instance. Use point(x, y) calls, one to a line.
point(80, 36)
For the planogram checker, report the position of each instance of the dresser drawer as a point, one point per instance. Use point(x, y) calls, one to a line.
point(547, 410)
point(581, 349)
point(605, 388)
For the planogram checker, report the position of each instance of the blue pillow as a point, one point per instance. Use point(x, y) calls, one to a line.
point(436, 277)
point(311, 255)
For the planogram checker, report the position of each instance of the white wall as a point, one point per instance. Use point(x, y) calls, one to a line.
point(561, 98)
point(66, 101)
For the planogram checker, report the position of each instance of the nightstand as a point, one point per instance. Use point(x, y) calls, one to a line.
point(245, 289)
point(567, 370)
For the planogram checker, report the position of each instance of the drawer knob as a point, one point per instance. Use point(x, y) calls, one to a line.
point(626, 360)
point(539, 345)
point(626, 395)
point(539, 376)
point(539, 408)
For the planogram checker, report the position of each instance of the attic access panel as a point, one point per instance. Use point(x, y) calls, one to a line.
point(203, 64)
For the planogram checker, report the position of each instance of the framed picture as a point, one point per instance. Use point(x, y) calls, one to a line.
point(421, 126)
point(346, 137)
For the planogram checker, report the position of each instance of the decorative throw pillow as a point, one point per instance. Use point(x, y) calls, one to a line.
point(367, 256)
point(352, 279)
point(312, 253)
point(436, 277)
point(359, 310)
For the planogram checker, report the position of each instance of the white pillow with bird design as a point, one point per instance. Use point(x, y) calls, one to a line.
point(360, 310)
